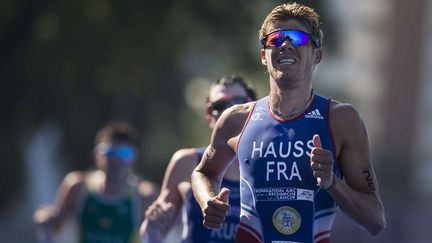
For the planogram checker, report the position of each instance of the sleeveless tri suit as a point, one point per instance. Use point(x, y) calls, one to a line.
point(280, 199)
point(195, 232)
point(103, 220)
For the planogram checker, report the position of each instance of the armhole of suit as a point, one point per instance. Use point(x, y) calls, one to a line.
point(81, 199)
point(199, 153)
point(134, 197)
point(336, 157)
point(244, 127)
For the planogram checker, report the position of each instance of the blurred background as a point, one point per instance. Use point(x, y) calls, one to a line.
point(68, 67)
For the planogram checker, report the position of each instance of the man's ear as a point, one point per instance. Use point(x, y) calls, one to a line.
point(318, 55)
point(98, 158)
point(211, 121)
point(263, 57)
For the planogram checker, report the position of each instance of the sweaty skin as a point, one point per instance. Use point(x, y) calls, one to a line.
point(290, 87)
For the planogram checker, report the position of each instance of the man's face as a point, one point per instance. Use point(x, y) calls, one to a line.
point(222, 97)
point(115, 158)
point(288, 63)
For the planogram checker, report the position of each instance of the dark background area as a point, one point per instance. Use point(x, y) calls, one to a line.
point(80, 64)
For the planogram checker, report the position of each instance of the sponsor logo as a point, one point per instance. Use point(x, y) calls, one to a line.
point(283, 194)
point(304, 194)
point(315, 114)
point(286, 220)
point(257, 115)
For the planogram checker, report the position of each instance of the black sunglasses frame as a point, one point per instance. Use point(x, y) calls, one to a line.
point(221, 105)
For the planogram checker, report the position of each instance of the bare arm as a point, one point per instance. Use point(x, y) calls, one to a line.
point(358, 195)
point(207, 176)
point(148, 192)
point(163, 213)
point(53, 217)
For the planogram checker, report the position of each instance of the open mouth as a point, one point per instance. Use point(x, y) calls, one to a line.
point(287, 60)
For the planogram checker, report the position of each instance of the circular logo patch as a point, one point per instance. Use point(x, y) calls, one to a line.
point(286, 220)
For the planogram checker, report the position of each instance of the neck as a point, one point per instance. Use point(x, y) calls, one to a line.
point(112, 186)
point(290, 102)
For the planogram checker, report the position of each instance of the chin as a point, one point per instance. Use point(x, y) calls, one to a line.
point(286, 81)
point(283, 76)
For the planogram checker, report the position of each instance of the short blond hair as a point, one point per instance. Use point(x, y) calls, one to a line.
point(293, 10)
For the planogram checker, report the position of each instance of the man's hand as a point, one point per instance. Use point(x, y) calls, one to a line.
point(216, 210)
point(44, 214)
point(321, 164)
point(158, 219)
point(43, 219)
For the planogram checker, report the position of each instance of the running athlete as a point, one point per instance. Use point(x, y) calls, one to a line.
point(300, 153)
point(176, 194)
point(108, 204)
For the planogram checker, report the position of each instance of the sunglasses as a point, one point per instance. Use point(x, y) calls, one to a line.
point(125, 153)
point(297, 37)
point(218, 107)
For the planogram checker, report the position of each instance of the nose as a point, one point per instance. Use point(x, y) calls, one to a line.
point(287, 44)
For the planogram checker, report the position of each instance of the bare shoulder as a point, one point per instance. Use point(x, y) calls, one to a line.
point(181, 166)
point(240, 111)
point(346, 124)
point(344, 117)
point(233, 118)
point(74, 181)
point(344, 112)
point(70, 190)
point(185, 157)
point(148, 189)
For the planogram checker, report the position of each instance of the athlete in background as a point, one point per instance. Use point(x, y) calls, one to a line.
point(176, 196)
point(108, 203)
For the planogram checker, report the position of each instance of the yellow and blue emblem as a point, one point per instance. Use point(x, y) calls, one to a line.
point(286, 220)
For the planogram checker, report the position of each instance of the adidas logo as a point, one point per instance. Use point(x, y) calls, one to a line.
point(315, 114)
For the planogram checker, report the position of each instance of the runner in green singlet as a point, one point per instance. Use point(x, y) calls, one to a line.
point(107, 203)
